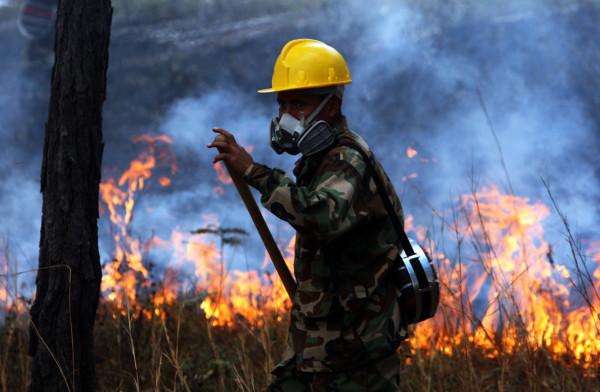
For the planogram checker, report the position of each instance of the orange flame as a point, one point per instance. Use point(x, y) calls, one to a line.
point(410, 176)
point(222, 174)
point(121, 278)
point(527, 298)
point(523, 296)
point(4, 294)
point(411, 152)
point(230, 295)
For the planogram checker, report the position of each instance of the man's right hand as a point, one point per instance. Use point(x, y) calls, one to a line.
point(234, 155)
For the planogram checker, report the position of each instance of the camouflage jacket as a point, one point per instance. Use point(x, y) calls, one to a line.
point(345, 311)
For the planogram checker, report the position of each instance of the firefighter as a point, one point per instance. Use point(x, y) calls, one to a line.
point(37, 18)
point(37, 22)
point(345, 322)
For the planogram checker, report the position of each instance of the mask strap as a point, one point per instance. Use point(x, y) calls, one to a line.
point(318, 108)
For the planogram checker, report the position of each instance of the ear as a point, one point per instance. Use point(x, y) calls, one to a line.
point(334, 107)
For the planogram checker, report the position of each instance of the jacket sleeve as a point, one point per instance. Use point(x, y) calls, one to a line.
point(324, 209)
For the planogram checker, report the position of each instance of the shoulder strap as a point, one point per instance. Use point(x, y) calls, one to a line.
point(385, 199)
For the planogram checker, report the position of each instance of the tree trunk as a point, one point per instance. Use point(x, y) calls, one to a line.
point(69, 275)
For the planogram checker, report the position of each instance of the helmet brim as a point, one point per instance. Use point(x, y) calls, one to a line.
point(276, 90)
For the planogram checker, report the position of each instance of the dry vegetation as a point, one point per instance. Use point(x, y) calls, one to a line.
point(183, 351)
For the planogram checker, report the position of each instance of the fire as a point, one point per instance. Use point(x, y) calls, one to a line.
point(527, 299)
point(11, 299)
point(229, 295)
point(502, 291)
point(126, 274)
point(222, 174)
point(410, 176)
point(4, 294)
point(411, 152)
point(239, 294)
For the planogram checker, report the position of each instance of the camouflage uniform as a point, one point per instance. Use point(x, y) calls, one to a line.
point(381, 375)
point(345, 314)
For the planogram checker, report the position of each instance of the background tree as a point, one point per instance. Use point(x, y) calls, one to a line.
point(69, 276)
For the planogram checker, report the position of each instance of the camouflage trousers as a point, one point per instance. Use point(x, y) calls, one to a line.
point(382, 375)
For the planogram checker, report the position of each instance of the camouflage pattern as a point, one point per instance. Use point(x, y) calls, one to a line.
point(345, 313)
point(382, 375)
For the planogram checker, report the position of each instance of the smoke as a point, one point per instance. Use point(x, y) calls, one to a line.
point(487, 90)
point(483, 95)
point(20, 155)
point(197, 198)
point(504, 93)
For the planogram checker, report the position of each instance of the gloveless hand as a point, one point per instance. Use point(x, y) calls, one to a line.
point(234, 155)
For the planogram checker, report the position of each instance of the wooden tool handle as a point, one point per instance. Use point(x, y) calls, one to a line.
point(263, 230)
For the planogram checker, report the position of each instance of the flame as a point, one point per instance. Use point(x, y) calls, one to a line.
point(126, 273)
point(230, 295)
point(528, 299)
point(11, 300)
point(4, 295)
point(411, 152)
point(219, 191)
point(410, 176)
point(501, 292)
point(164, 181)
point(239, 294)
point(222, 174)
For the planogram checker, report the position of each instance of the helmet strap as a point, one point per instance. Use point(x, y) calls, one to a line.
point(318, 109)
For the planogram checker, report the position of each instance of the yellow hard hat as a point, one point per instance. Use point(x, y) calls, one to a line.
point(307, 63)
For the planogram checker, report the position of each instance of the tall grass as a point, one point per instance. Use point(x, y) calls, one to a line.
point(183, 351)
point(14, 366)
point(179, 349)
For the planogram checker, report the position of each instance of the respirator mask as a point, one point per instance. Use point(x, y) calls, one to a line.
point(288, 134)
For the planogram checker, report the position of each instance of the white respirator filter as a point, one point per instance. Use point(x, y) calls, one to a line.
point(290, 135)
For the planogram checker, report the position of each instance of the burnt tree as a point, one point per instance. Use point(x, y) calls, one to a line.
point(69, 275)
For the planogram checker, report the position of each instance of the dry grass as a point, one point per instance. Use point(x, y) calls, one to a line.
point(183, 351)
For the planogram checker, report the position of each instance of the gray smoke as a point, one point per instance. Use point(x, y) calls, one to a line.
point(421, 79)
point(483, 96)
point(20, 199)
point(430, 86)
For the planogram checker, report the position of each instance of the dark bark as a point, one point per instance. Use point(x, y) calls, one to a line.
point(69, 275)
